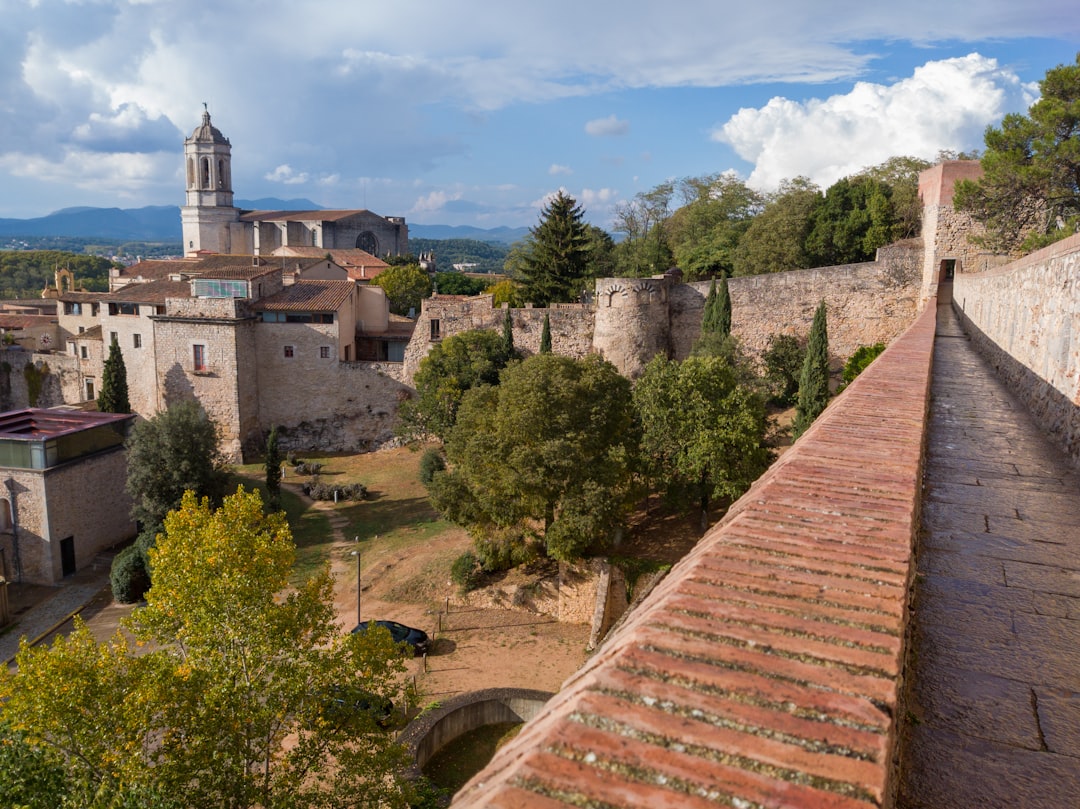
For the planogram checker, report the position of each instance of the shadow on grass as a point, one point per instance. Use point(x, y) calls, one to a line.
point(384, 516)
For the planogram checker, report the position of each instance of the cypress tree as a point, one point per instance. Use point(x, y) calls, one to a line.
point(814, 379)
point(273, 472)
point(723, 308)
point(114, 386)
point(545, 336)
point(508, 335)
point(708, 318)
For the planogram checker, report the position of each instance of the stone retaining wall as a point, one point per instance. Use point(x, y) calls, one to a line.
point(1024, 318)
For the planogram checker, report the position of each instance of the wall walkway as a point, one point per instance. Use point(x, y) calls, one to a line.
point(766, 669)
point(994, 699)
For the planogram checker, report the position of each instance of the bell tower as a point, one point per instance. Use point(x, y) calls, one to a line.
point(208, 211)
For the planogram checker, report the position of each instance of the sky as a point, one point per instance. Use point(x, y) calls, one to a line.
point(476, 113)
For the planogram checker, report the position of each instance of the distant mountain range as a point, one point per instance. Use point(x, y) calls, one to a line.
point(161, 223)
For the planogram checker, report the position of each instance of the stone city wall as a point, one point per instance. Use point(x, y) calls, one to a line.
point(865, 304)
point(55, 379)
point(1023, 317)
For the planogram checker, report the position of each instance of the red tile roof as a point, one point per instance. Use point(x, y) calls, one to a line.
point(308, 296)
point(765, 669)
point(150, 292)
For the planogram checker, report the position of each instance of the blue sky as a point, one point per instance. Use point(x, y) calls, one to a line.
point(474, 113)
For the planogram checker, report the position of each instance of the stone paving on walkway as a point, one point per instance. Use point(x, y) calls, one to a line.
point(994, 702)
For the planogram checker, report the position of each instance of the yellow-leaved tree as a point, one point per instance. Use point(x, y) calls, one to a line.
point(240, 690)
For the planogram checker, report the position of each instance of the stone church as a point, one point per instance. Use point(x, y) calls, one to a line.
point(212, 224)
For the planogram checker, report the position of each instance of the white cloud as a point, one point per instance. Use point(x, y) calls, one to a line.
point(285, 174)
point(598, 198)
point(607, 127)
point(434, 201)
point(944, 105)
point(558, 168)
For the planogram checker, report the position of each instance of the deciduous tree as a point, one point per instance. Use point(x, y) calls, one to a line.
point(776, 240)
point(544, 459)
point(702, 432)
point(233, 705)
point(405, 286)
point(452, 367)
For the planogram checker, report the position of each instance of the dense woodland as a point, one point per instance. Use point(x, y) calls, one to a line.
point(25, 273)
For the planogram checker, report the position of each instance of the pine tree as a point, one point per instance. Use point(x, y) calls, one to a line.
point(545, 336)
point(556, 254)
point(814, 380)
point(273, 472)
point(114, 386)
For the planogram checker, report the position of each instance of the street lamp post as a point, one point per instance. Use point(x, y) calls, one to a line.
point(357, 554)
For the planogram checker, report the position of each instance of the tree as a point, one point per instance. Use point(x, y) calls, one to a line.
point(855, 218)
point(645, 250)
point(545, 335)
point(452, 367)
point(405, 286)
point(458, 283)
point(702, 432)
point(554, 259)
point(901, 174)
point(114, 387)
point(776, 239)
point(508, 334)
point(273, 471)
point(174, 451)
point(783, 359)
point(1029, 194)
point(543, 461)
point(716, 318)
point(232, 705)
point(706, 230)
point(814, 379)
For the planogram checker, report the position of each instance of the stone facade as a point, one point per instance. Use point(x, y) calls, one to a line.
point(55, 379)
point(1025, 319)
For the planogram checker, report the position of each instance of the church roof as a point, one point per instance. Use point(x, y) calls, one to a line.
point(206, 132)
point(308, 296)
point(298, 216)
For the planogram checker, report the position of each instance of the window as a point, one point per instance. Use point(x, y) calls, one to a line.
point(112, 337)
point(198, 357)
point(324, 352)
point(82, 329)
point(5, 515)
point(136, 340)
point(123, 309)
point(435, 329)
point(288, 352)
point(90, 390)
point(84, 353)
point(217, 288)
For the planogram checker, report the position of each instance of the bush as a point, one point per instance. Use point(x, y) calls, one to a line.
point(128, 576)
point(431, 462)
point(307, 467)
point(504, 552)
point(863, 356)
point(465, 572)
point(317, 490)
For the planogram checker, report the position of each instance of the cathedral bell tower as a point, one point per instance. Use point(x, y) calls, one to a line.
point(208, 211)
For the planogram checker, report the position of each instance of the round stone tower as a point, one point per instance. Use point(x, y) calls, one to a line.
point(633, 323)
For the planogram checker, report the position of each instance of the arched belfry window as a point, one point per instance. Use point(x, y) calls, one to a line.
point(190, 173)
point(221, 174)
point(205, 174)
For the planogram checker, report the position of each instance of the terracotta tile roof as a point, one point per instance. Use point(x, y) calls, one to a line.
point(158, 268)
point(765, 669)
point(83, 297)
point(308, 296)
point(150, 292)
point(93, 333)
point(15, 321)
point(358, 264)
point(298, 216)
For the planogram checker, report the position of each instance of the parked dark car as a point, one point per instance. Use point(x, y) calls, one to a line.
point(416, 638)
point(342, 705)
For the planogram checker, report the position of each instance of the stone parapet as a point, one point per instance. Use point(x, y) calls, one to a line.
point(1024, 318)
point(766, 668)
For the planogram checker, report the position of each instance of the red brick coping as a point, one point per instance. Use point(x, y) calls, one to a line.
point(764, 671)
